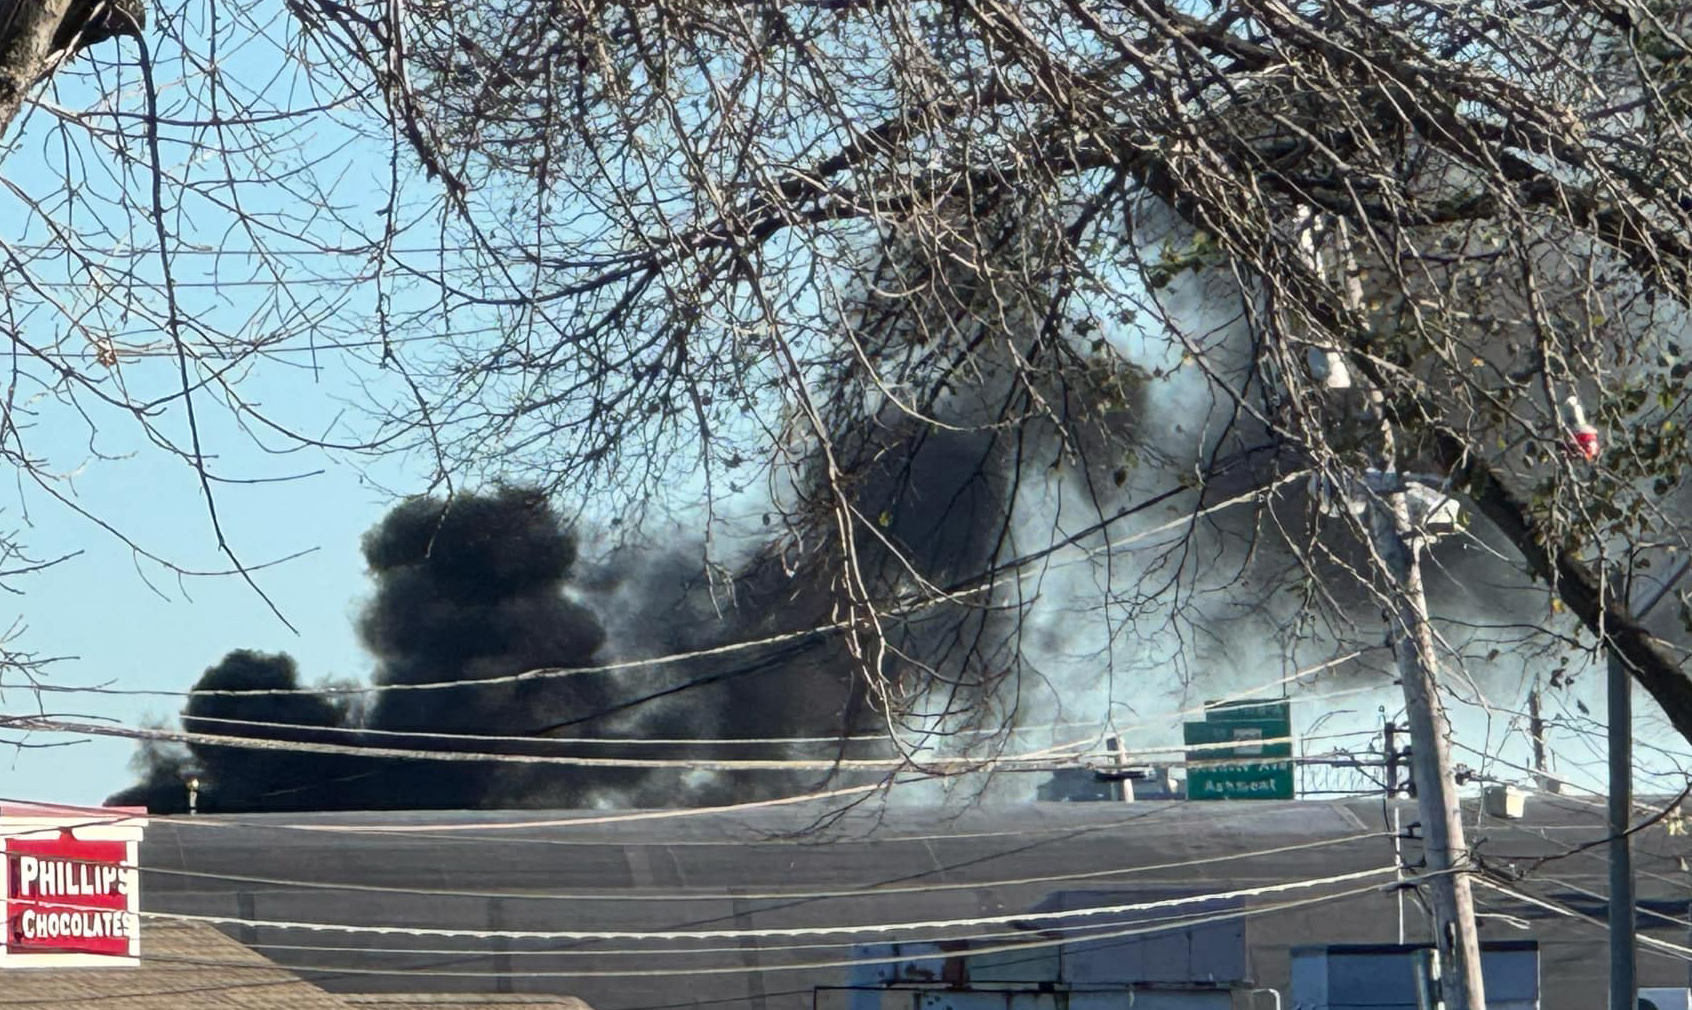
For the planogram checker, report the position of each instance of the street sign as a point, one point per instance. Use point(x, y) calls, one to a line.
point(1247, 770)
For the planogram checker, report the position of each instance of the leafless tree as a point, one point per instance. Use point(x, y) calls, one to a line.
point(1018, 275)
point(732, 235)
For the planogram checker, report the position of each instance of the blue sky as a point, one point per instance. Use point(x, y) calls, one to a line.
point(119, 618)
point(98, 609)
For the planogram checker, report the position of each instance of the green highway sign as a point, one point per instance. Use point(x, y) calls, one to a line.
point(1245, 770)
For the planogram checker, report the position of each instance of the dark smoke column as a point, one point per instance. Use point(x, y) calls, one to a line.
point(242, 778)
point(466, 590)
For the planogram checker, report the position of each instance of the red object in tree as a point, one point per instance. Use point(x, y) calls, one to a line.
point(1583, 442)
point(1582, 438)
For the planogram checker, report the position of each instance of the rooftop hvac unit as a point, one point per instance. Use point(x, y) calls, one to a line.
point(1507, 802)
point(1665, 999)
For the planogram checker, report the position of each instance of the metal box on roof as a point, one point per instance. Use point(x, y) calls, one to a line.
point(1383, 976)
point(1157, 937)
point(1665, 999)
point(1022, 999)
point(1505, 801)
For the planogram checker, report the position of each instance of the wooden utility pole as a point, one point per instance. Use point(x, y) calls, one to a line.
point(1624, 968)
point(1397, 542)
point(1389, 749)
point(1543, 780)
point(1396, 536)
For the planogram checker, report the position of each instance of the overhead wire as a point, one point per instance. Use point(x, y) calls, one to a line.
point(859, 929)
point(649, 815)
point(1090, 937)
point(884, 890)
point(1160, 719)
point(1589, 852)
point(608, 741)
point(1167, 921)
point(462, 832)
point(269, 743)
point(549, 673)
point(213, 822)
point(490, 828)
point(762, 948)
point(1597, 730)
point(1665, 947)
point(1596, 800)
point(501, 821)
point(1057, 756)
point(626, 895)
point(538, 673)
point(1044, 758)
point(1639, 907)
point(662, 952)
point(743, 894)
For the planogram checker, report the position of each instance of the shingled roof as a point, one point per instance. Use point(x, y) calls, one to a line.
point(189, 966)
point(458, 1001)
point(182, 965)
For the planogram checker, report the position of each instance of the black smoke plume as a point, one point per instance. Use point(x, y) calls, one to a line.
point(244, 778)
point(472, 591)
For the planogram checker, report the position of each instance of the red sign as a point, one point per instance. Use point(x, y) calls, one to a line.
point(66, 896)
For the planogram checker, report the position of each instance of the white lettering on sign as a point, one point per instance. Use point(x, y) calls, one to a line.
point(69, 891)
point(64, 878)
point(1236, 787)
point(104, 924)
point(1248, 733)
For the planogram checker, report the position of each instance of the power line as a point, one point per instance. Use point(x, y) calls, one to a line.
point(462, 831)
point(596, 951)
point(861, 929)
point(1170, 921)
point(917, 731)
point(741, 894)
point(1045, 943)
point(608, 741)
point(554, 672)
point(1043, 759)
point(1091, 937)
point(1664, 947)
point(538, 673)
point(1641, 909)
point(1056, 757)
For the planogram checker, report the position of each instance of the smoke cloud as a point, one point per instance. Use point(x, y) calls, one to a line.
point(485, 586)
point(472, 590)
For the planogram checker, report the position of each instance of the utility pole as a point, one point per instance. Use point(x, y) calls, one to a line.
point(1397, 542)
point(1543, 780)
point(1398, 872)
point(1385, 497)
point(1389, 752)
point(1624, 982)
point(1389, 755)
point(1685, 867)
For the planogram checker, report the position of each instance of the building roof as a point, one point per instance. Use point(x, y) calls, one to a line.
point(183, 965)
point(468, 900)
point(454, 1001)
point(189, 966)
point(514, 909)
